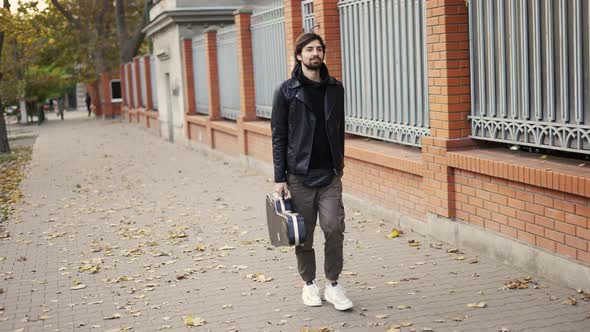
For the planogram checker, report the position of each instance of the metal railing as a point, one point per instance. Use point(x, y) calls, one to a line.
point(134, 85)
point(308, 16)
point(269, 53)
point(200, 75)
point(143, 83)
point(385, 69)
point(154, 82)
point(529, 73)
point(227, 60)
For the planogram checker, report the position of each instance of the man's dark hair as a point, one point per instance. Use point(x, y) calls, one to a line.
point(305, 39)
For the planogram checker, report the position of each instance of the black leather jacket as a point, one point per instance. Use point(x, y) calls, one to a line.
point(293, 126)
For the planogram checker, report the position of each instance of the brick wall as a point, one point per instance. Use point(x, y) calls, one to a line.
point(259, 146)
point(327, 20)
point(293, 28)
point(225, 142)
point(198, 133)
point(212, 73)
point(390, 188)
point(189, 79)
point(546, 218)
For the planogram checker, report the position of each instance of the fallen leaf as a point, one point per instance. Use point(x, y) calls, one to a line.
point(473, 261)
point(79, 286)
point(189, 320)
point(382, 316)
point(403, 306)
point(571, 301)
point(477, 305)
point(44, 317)
point(394, 233)
point(113, 316)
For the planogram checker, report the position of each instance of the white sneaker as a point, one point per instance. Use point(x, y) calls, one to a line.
point(337, 296)
point(311, 295)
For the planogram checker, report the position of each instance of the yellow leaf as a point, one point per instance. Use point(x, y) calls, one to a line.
point(189, 320)
point(393, 234)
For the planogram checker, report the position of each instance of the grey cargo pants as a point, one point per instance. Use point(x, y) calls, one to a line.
point(327, 202)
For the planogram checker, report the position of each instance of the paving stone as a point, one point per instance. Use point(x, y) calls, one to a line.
point(111, 190)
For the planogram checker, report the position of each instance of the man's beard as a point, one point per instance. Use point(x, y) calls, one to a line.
point(313, 66)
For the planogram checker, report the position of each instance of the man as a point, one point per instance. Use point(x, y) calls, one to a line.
point(88, 103)
point(308, 155)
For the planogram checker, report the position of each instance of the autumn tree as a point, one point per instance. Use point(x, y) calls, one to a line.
point(4, 145)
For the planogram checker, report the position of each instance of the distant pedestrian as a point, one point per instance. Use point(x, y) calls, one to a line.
point(88, 103)
point(59, 103)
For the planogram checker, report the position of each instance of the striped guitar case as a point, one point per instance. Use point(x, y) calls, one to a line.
point(285, 227)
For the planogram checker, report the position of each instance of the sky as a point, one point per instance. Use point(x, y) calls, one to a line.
point(14, 4)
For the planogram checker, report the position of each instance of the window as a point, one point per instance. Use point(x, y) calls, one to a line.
point(116, 91)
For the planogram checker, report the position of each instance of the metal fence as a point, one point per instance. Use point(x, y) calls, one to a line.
point(384, 69)
point(200, 75)
point(269, 54)
point(308, 17)
point(134, 85)
point(530, 64)
point(227, 60)
point(154, 82)
point(143, 83)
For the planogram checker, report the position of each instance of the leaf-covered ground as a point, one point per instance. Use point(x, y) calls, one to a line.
point(12, 167)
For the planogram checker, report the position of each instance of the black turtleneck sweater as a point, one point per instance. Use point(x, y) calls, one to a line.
point(321, 156)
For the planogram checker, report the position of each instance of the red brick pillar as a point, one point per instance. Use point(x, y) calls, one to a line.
point(245, 65)
point(327, 20)
point(137, 84)
point(212, 73)
point(293, 28)
point(148, 82)
point(123, 82)
point(245, 74)
point(131, 103)
point(449, 99)
point(189, 77)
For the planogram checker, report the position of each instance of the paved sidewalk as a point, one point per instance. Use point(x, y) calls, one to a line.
point(121, 229)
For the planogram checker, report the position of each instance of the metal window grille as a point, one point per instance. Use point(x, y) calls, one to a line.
point(227, 59)
point(529, 73)
point(154, 82)
point(269, 53)
point(308, 16)
point(200, 75)
point(143, 83)
point(384, 69)
point(134, 86)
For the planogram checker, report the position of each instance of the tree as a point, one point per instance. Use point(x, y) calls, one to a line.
point(4, 145)
point(129, 45)
point(94, 21)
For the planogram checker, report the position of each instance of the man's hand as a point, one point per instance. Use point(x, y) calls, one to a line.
point(282, 187)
